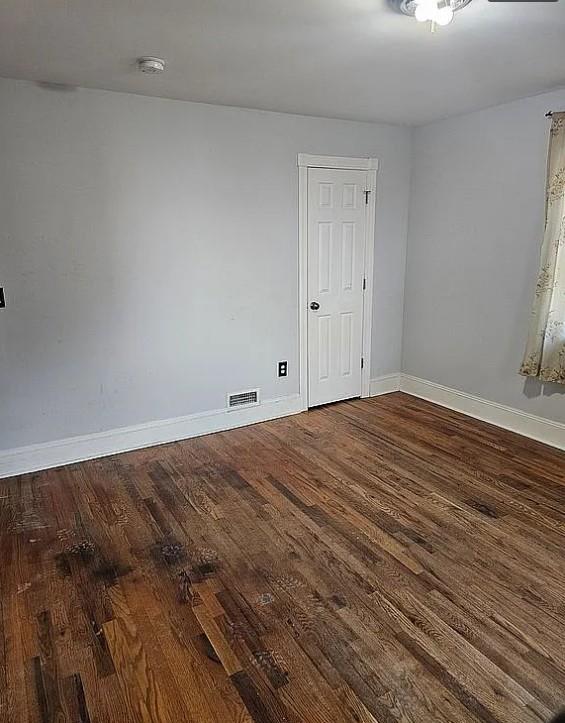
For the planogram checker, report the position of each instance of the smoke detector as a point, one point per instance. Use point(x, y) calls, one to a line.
point(149, 64)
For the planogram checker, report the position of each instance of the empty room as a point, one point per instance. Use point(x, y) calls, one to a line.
point(282, 361)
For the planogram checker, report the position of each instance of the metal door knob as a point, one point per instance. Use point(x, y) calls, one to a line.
point(314, 306)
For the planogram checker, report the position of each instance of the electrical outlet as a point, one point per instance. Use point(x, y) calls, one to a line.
point(283, 368)
point(2, 298)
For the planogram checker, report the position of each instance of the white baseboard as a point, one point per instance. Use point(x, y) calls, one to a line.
point(543, 430)
point(384, 385)
point(77, 449)
point(90, 446)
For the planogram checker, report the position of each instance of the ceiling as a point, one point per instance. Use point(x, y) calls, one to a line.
point(353, 59)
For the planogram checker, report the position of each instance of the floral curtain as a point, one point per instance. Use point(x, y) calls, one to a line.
point(545, 350)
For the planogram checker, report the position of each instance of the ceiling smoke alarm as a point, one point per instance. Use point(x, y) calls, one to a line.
point(149, 64)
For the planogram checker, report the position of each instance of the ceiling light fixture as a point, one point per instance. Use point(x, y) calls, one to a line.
point(436, 12)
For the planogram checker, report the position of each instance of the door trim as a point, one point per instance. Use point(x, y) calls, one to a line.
point(304, 162)
point(352, 164)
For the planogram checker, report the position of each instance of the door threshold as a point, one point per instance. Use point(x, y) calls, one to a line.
point(331, 404)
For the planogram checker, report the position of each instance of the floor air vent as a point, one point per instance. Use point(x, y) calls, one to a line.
point(243, 399)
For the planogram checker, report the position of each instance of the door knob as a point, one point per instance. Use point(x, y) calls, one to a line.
point(314, 306)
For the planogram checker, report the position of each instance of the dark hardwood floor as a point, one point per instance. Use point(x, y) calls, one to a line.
point(376, 560)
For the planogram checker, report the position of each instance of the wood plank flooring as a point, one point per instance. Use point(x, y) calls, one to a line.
point(376, 560)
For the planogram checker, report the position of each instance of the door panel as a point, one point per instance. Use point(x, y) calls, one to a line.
point(337, 218)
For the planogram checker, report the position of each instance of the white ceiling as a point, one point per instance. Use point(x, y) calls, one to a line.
point(338, 58)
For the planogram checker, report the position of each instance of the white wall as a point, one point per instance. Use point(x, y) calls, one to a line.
point(148, 249)
point(475, 229)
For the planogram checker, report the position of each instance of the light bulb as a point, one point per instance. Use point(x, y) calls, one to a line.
point(422, 13)
point(426, 10)
point(444, 15)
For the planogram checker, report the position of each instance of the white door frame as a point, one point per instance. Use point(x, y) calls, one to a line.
point(306, 161)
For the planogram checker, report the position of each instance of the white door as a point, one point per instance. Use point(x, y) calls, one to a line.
point(337, 220)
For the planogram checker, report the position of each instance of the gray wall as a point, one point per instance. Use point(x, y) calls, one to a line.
point(475, 229)
point(148, 249)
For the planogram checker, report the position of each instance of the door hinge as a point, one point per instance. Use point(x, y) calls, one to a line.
point(367, 192)
point(364, 284)
point(362, 362)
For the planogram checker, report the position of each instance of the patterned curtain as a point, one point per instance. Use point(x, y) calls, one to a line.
point(545, 350)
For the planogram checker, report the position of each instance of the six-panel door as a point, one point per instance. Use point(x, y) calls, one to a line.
point(337, 220)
